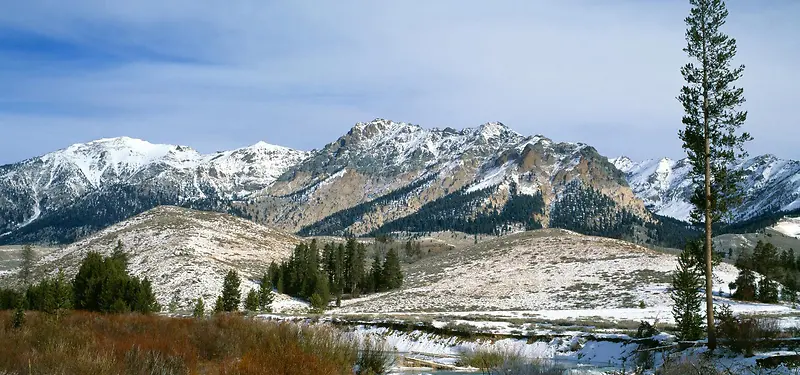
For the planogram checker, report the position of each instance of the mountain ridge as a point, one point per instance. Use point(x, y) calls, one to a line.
point(770, 185)
point(379, 176)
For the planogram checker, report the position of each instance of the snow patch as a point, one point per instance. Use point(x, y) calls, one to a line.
point(789, 227)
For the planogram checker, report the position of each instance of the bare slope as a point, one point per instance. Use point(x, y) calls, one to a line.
point(182, 251)
point(538, 270)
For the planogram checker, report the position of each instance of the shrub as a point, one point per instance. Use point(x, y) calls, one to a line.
point(744, 335)
point(698, 366)
point(373, 358)
point(646, 330)
point(91, 343)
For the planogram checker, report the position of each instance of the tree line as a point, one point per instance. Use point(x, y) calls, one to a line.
point(778, 272)
point(336, 270)
point(101, 284)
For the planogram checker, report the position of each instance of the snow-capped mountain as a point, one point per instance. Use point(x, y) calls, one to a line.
point(384, 171)
point(380, 176)
point(770, 185)
point(42, 186)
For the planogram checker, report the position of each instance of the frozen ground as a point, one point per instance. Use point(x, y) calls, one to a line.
point(789, 227)
point(185, 253)
point(545, 270)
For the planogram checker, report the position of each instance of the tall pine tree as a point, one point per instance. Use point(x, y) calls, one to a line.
point(712, 120)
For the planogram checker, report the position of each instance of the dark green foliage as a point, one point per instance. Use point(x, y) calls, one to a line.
point(710, 101)
point(199, 310)
point(18, 320)
point(745, 285)
point(27, 264)
point(392, 273)
point(585, 210)
point(670, 232)
point(219, 305)
point(789, 292)
point(318, 304)
point(9, 298)
point(686, 298)
point(337, 224)
point(338, 270)
point(454, 212)
point(711, 119)
point(265, 296)
point(375, 279)
point(757, 223)
point(231, 295)
point(697, 249)
point(251, 301)
point(777, 268)
point(50, 296)
point(767, 290)
point(103, 284)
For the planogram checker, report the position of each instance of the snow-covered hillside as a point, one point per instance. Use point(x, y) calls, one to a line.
point(789, 227)
point(183, 252)
point(544, 270)
point(40, 186)
point(770, 184)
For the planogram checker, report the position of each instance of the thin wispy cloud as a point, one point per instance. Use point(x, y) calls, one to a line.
point(216, 75)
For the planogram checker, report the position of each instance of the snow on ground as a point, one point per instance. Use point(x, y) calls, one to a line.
point(540, 270)
point(789, 227)
point(185, 253)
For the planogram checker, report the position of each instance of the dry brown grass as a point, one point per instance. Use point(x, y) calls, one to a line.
point(86, 343)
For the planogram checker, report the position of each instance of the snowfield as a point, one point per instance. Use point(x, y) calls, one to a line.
point(545, 275)
point(789, 227)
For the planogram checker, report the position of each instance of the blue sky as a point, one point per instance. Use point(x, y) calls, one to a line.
point(222, 74)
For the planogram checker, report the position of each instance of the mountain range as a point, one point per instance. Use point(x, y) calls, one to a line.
point(381, 176)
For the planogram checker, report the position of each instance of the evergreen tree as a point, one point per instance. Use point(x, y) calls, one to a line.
point(62, 293)
point(745, 285)
point(219, 305)
point(789, 292)
point(711, 120)
point(392, 272)
point(27, 264)
point(265, 297)
point(18, 319)
point(274, 273)
point(251, 302)
point(376, 283)
point(318, 304)
point(103, 284)
point(199, 310)
point(686, 298)
point(767, 290)
point(322, 289)
point(174, 302)
point(231, 295)
point(146, 299)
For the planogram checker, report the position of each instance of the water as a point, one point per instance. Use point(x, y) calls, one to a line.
point(570, 368)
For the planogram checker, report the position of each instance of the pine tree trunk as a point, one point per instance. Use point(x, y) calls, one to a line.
point(712, 338)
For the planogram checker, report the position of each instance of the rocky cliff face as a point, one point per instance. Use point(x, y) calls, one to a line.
point(383, 171)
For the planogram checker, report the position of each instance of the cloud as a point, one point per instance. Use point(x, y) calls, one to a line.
point(217, 74)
